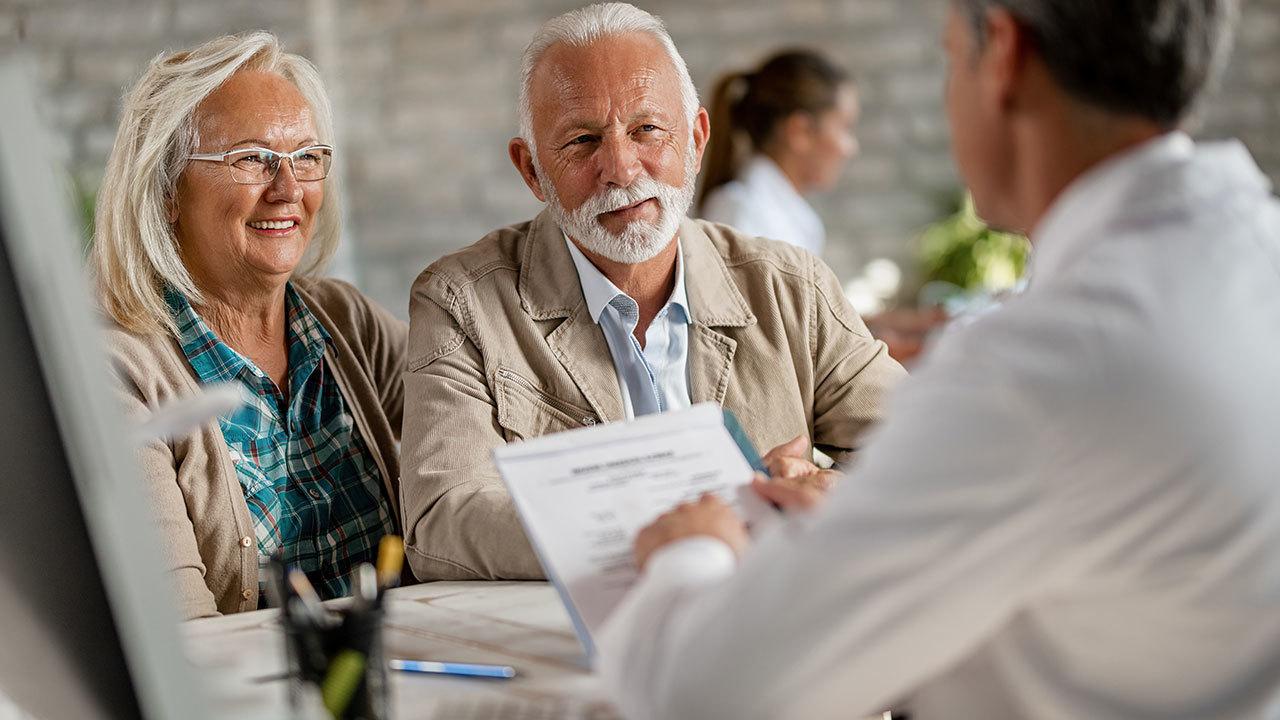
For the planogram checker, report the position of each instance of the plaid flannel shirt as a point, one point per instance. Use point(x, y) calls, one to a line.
point(311, 486)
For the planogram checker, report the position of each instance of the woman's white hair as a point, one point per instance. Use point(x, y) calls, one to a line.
point(135, 252)
point(582, 27)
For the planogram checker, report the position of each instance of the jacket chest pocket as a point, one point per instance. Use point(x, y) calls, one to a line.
point(525, 411)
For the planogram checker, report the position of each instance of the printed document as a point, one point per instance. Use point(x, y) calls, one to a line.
point(584, 494)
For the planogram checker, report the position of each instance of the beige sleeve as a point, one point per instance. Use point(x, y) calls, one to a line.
point(181, 554)
point(853, 371)
point(387, 338)
point(460, 523)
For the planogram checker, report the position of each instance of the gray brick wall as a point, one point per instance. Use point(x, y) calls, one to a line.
point(426, 92)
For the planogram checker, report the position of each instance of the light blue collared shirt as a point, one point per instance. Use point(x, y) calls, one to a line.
point(656, 378)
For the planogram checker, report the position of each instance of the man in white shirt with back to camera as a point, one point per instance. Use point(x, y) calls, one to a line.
point(1073, 509)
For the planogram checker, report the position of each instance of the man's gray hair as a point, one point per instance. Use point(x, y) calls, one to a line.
point(1151, 58)
point(582, 27)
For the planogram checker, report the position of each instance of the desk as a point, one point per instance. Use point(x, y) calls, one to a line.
point(519, 624)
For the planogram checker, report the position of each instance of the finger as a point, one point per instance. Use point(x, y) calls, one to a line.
point(759, 481)
point(804, 498)
point(710, 499)
point(778, 493)
point(789, 497)
point(674, 512)
point(785, 467)
point(795, 447)
point(689, 506)
point(772, 492)
point(792, 465)
point(822, 480)
point(828, 478)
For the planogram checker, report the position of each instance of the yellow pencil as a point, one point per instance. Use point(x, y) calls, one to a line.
point(390, 561)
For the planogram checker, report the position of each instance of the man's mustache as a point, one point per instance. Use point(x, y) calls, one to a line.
point(614, 199)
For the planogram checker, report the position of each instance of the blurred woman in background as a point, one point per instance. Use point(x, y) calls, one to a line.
point(777, 133)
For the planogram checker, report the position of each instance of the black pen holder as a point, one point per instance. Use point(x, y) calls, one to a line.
point(336, 665)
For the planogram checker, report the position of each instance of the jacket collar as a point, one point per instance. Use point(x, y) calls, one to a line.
point(549, 286)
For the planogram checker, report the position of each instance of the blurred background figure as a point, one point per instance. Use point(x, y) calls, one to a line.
point(777, 133)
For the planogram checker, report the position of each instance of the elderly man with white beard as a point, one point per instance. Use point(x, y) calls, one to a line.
point(611, 304)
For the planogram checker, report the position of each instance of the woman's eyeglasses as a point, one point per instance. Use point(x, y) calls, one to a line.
point(258, 166)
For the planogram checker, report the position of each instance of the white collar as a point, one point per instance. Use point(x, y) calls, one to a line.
point(1091, 202)
point(763, 173)
point(599, 290)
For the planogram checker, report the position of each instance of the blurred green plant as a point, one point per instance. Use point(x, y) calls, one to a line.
point(86, 200)
point(963, 252)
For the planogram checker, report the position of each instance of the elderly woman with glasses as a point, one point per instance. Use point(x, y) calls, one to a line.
point(215, 216)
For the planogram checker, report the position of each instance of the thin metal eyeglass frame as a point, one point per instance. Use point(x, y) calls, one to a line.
point(222, 158)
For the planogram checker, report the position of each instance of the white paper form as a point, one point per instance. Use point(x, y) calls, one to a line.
point(583, 495)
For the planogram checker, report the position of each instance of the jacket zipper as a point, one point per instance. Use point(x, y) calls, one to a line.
point(564, 407)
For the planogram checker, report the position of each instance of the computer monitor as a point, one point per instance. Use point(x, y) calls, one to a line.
point(88, 621)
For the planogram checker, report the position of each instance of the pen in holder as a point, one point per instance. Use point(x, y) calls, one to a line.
point(336, 667)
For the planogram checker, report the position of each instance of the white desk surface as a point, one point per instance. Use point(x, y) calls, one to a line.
point(521, 624)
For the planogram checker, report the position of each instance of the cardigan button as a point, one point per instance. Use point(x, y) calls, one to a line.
point(246, 541)
point(247, 594)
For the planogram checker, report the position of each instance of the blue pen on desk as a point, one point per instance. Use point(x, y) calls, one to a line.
point(447, 668)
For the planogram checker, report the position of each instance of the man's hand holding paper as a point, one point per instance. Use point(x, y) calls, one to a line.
point(794, 484)
point(708, 516)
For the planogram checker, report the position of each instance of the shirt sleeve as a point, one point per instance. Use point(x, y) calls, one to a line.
point(460, 522)
point(937, 539)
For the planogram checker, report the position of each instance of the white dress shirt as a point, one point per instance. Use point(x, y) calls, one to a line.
point(761, 201)
point(1072, 511)
point(654, 378)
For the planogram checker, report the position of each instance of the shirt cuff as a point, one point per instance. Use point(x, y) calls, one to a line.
point(691, 562)
point(673, 572)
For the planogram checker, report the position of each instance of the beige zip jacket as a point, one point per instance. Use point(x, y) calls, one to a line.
point(203, 518)
point(502, 348)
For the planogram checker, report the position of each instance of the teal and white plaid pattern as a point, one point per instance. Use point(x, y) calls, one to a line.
point(312, 487)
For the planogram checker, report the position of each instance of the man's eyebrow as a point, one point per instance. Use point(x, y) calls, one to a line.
point(575, 124)
point(572, 124)
point(653, 112)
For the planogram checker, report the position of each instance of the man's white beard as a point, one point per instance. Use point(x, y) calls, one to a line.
point(639, 240)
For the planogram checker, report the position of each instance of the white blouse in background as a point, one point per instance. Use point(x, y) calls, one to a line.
point(1071, 511)
point(764, 203)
